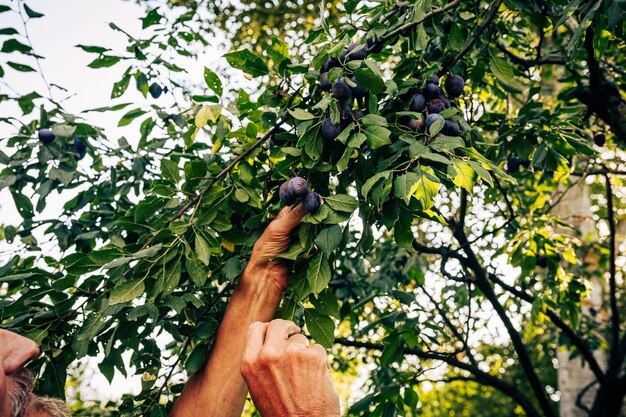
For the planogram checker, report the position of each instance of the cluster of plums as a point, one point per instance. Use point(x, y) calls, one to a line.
point(79, 147)
point(432, 100)
point(344, 90)
point(297, 187)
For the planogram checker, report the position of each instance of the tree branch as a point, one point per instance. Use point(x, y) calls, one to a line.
point(491, 15)
point(483, 284)
point(615, 314)
point(558, 322)
point(529, 63)
point(503, 386)
point(409, 26)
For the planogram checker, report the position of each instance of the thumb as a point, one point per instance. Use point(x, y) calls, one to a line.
point(292, 219)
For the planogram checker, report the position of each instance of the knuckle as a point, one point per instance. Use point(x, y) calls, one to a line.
point(269, 356)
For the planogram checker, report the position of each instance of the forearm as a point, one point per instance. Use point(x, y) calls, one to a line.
point(219, 389)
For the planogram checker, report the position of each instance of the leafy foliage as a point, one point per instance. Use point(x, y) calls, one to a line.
point(420, 240)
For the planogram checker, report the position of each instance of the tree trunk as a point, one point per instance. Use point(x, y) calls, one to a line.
point(574, 376)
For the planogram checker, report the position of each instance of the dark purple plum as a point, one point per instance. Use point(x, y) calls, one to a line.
point(432, 118)
point(431, 90)
point(341, 90)
point(418, 103)
point(415, 124)
point(155, 90)
point(436, 106)
point(513, 165)
point(325, 85)
point(442, 96)
point(358, 91)
point(454, 85)
point(286, 195)
point(45, 135)
point(599, 139)
point(451, 128)
point(434, 79)
point(358, 114)
point(298, 187)
point(330, 130)
point(275, 139)
point(80, 149)
point(311, 202)
point(356, 51)
point(331, 62)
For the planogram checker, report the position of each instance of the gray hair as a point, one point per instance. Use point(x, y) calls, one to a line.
point(21, 397)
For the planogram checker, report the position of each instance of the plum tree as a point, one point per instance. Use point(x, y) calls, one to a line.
point(599, 139)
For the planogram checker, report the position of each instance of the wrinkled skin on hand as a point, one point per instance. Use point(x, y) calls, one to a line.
point(286, 376)
point(275, 240)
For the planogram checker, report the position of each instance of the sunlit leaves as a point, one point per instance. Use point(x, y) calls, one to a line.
point(213, 81)
point(247, 62)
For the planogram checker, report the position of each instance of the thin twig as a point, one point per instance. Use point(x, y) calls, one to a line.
point(491, 15)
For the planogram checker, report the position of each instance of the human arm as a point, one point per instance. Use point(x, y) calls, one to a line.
point(218, 389)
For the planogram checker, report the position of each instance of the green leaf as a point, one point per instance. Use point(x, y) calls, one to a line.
point(369, 80)
point(426, 187)
point(328, 239)
point(13, 45)
point(318, 273)
point(247, 62)
point(462, 174)
point(326, 303)
point(377, 136)
point(152, 18)
point(405, 186)
point(300, 114)
point(385, 175)
point(20, 67)
point(4, 8)
point(31, 13)
point(169, 170)
point(278, 51)
point(213, 81)
point(8, 31)
point(104, 61)
point(63, 130)
point(342, 202)
point(196, 270)
point(120, 87)
point(447, 143)
point(130, 116)
point(93, 49)
point(126, 292)
point(148, 252)
point(436, 127)
point(202, 249)
point(321, 327)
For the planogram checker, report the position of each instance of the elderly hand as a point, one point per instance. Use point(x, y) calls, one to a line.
point(287, 377)
point(263, 267)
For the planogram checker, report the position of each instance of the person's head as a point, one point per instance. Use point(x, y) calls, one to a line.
point(16, 382)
